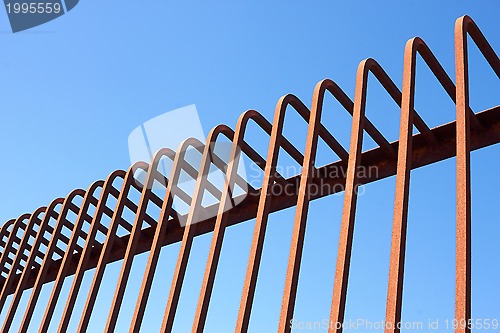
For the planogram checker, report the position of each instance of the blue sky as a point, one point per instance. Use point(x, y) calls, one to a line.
point(73, 89)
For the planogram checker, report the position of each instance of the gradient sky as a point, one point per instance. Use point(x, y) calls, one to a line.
point(73, 89)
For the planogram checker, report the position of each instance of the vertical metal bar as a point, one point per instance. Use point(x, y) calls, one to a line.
point(216, 245)
point(159, 235)
point(84, 258)
point(134, 239)
point(463, 232)
point(463, 26)
point(108, 244)
point(398, 243)
point(350, 198)
point(298, 234)
point(187, 238)
point(262, 217)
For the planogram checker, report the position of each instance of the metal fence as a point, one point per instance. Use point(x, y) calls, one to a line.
point(70, 236)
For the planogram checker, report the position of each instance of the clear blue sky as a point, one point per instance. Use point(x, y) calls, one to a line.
point(73, 89)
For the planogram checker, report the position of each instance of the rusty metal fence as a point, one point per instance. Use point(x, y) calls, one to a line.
point(69, 237)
